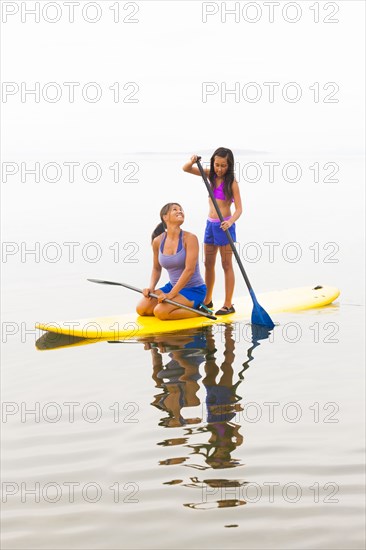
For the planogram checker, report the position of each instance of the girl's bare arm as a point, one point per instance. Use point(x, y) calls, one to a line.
point(188, 167)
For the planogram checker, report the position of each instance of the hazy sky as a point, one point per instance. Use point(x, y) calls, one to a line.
point(297, 84)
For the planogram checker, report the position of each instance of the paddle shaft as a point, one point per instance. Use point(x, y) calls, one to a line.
point(227, 232)
point(152, 295)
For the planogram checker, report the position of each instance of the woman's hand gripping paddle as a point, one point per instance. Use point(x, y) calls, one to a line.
point(199, 312)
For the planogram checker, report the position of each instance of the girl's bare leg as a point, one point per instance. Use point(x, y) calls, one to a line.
point(210, 261)
point(227, 265)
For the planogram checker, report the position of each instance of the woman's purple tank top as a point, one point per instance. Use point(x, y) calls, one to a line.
point(175, 264)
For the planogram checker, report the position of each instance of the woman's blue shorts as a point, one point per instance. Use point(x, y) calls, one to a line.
point(194, 293)
point(215, 235)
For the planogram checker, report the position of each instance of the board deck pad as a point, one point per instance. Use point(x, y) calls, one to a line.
point(131, 325)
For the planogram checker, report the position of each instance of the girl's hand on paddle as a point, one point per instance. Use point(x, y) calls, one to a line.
point(226, 224)
point(146, 292)
point(194, 159)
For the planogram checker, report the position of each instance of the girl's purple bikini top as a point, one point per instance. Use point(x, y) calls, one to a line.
point(219, 192)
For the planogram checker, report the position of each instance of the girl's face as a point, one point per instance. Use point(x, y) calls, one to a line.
point(220, 166)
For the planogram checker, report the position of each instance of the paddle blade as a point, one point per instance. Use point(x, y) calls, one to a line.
point(101, 282)
point(260, 332)
point(259, 315)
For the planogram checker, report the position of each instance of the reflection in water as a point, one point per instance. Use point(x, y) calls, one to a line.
point(177, 379)
point(225, 489)
point(178, 382)
point(52, 340)
point(211, 433)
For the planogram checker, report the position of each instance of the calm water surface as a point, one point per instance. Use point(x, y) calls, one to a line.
point(220, 439)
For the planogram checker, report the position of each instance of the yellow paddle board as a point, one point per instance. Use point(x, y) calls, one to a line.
point(118, 327)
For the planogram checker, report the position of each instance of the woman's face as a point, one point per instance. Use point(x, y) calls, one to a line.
point(220, 166)
point(175, 214)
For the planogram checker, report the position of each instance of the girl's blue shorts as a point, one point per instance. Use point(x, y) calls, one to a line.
point(194, 293)
point(215, 235)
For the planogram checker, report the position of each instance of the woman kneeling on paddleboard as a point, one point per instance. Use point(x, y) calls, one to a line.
point(177, 252)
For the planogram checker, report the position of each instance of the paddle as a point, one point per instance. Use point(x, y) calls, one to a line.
point(259, 315)
point(204, 314)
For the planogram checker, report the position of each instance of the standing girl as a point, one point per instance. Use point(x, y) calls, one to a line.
point(226, 191)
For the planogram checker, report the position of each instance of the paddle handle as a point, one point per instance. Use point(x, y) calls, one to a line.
point(204, 314)
point(227, 232)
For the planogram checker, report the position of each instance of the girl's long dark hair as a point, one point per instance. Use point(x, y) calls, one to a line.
point(161, 227)
point(229, 176)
